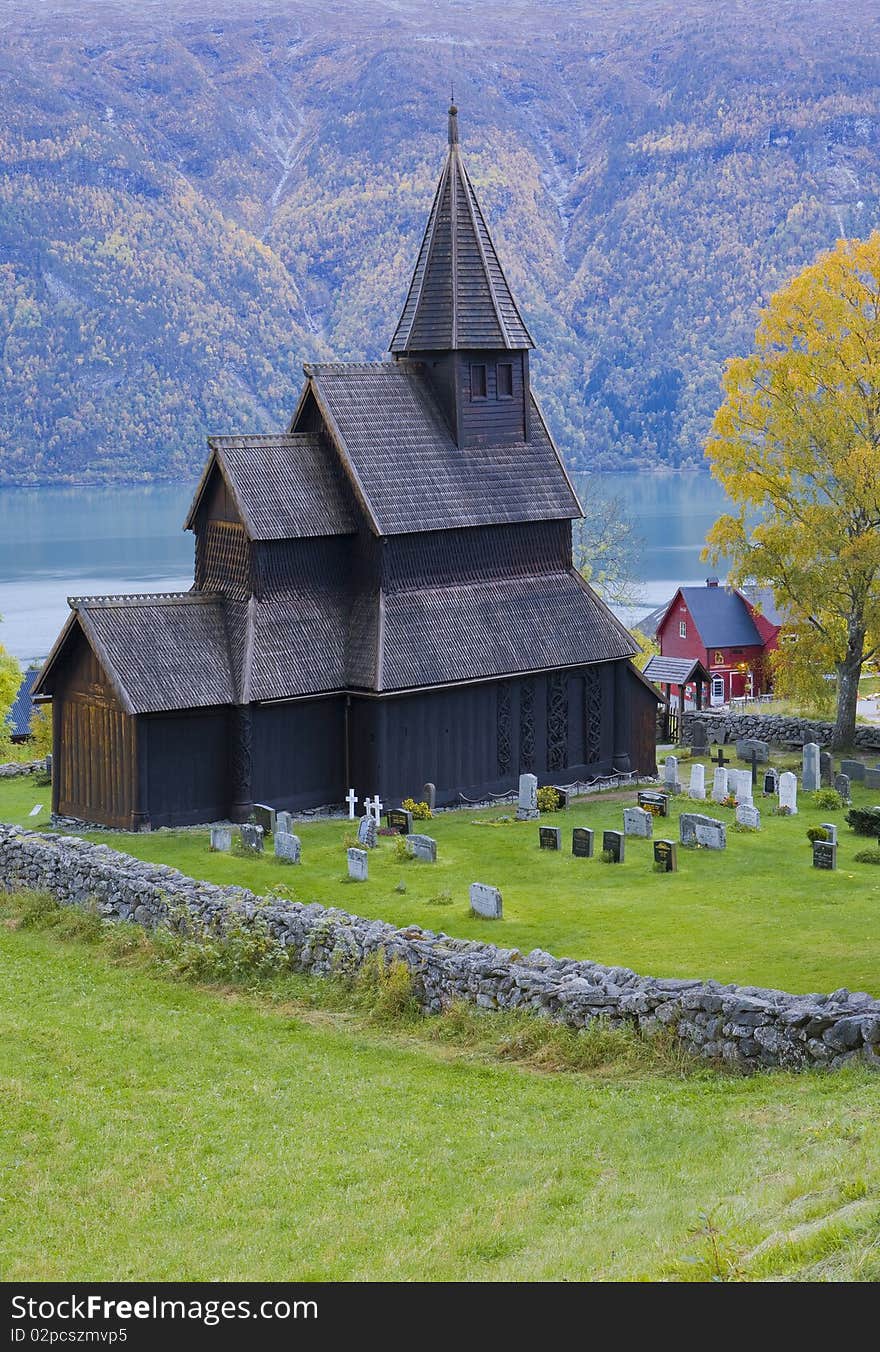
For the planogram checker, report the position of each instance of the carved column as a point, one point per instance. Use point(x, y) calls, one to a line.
point(240, 762)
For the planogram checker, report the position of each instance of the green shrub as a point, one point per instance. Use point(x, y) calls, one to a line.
point(828, 800)
point(420, 811)
point(548, 799)
point(386, 990)
point(816, 833)
point(865, 821)
point(867, 857)
point(400, 850)
point(607, 856)
point(443, 898)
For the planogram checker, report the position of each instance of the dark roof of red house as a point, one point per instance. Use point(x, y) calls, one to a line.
point(722, 617)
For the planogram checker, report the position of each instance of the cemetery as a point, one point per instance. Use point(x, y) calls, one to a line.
point(742, 896)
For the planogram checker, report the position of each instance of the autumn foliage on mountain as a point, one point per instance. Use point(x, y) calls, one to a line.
point(196, 199)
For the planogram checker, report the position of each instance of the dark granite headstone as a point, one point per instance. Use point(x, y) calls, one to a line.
point(826, 768)
point(265, 816)
point(561, 798)
point(550, 837)
point(582, 842)
point(614, 843)
point(666, 853)
point(399, 819)
point(824, 854)
point(252, 837)
point(656, 802)
point(872, 779)
point(855, 769)
point(771, 781)
point(699, 736)
point(843, 787)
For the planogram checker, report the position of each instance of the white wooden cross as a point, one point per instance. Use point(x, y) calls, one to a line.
point(368, 807)
point(351, 798)
point(377, 808)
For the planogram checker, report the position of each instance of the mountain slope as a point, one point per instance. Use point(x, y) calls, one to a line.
point(192, 206)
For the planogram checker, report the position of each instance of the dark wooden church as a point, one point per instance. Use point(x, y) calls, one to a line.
point(384, 595)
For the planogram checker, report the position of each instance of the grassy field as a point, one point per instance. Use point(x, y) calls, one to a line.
point(756, 914)
point(154, 1130)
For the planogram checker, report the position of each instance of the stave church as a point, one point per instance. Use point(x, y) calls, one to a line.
point(384, 594)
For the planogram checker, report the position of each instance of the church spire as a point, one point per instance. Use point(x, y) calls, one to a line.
point(459, 297)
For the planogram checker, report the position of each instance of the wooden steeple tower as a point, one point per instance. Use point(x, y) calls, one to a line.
point(460, 320)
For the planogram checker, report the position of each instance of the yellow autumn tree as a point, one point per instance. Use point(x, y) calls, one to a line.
point(10, 680)
point(796, 444)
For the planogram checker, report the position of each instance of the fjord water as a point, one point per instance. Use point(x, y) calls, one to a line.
point(82, 541)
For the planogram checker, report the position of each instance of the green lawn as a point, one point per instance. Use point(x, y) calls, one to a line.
point(756, 914)
point(151, 1130)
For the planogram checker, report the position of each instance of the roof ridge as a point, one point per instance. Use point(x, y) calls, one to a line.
point(310, 368)
point(132, 599)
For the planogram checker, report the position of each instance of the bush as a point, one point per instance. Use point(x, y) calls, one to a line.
point(386, 990)
point(829, 800)
point(443, 898)
point(548, 799)
point(607, 856)
point(865, 821)
point(816, 833)
point(420, 811)
point(400, 849)
point(867, 857)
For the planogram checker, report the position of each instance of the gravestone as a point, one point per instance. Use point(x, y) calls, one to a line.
point(844, 788)
point(872, 780)
point(826, 768)
point(486, 901)
point(788, 792)
point(527, 807)
point(265, 816)
point(824, 854)
point(830, 829)
point(698, 781)
point(699, 736)
point(550, 837)
point(368, 832)
point(561, 798)
point(743, 785)
point(352, 799)
point(399, 819)
point(811, 777)
point(288, 847)
point(855, 769)
point(358, 864)
point(429, 795)
point(719, 785)
point(670, 775)
point(696, 829)
point(582, 842)
point(613, 843)
point(748, 815)
point(251, 838)
point(666, 854)
point(771, 781)
point(422, 847)
point(719, 758)
point(747, 747)
point(638, 822)
point(221, 838)
point(284, 822)
point(648, 799)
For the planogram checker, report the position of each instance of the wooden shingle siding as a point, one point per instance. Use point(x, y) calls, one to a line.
point(223, 559)
point(491, 421)
point(452, 556)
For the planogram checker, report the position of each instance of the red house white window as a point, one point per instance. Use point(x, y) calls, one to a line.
point(682, 629)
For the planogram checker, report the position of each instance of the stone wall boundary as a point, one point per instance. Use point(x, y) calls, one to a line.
point(747, 1026)
point(778, 729)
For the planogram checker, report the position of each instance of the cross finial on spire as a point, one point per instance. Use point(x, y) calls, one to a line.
point(453, 125)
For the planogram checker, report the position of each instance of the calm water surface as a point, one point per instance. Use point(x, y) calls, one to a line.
point(60, 542)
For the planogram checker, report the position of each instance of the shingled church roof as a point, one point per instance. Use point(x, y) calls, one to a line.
point(406, 468)
point(459, 296)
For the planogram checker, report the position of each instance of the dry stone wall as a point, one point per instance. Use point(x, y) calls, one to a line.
point(13, 769)
point(745, 1025)
point(775, 728)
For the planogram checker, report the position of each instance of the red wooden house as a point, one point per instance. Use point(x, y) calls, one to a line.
point(730, 632)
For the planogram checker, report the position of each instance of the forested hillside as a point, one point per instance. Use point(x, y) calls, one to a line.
point(194, 199)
